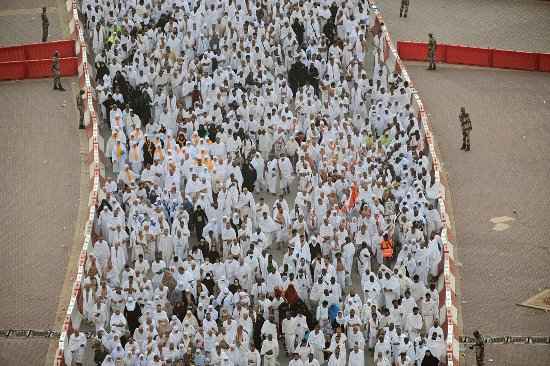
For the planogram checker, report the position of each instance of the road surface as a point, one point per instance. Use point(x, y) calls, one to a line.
point(505, 179)
point(40, 180)
point(506, 24)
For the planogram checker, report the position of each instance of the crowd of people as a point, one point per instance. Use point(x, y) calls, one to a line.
point(239, 130)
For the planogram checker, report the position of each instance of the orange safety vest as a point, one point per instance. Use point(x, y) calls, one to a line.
point(387, 248)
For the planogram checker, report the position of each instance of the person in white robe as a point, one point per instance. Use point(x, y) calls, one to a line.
point(391, 289)
point(413, 323)
point(270, 350)
point(166, 246)
point(429, 311)
point(102, 252)
point(272, 176)
point(296, 361)
point(364, 258)
point(356, 356)
point(258, 163)
point(436, 346)
point(118, 257)
point(316, 340)
point(77, 346)
point(337, 358)
point(286, 172)
point(181, 242)
point(348, 253)
point(289, 332)
point(268, 227)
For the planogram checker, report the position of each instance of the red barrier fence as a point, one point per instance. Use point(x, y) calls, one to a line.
point(544, 62)
point(35, 69)
point(15, 53)
point(473, 56)
point(515, 60)
point(418, 51)
point(464, 55)
point(42, 68)
point(35, 60)
point(13, 70)
point(37, 51)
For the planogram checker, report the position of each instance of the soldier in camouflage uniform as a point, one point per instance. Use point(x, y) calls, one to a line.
point(466, 125)
point(80, 106)
point(45, 25)
point(432, 45)
point(479, 347)
point(56, 71)
point(404, 8)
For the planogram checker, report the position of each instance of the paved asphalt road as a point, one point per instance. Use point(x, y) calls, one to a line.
point(40, 180)
point(20, 21)
point(505, 174)
point(507, 24)
point(41, 186)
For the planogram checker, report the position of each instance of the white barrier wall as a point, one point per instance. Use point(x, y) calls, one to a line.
point(95, 160)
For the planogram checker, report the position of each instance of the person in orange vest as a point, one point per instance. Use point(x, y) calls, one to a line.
point(387, 248)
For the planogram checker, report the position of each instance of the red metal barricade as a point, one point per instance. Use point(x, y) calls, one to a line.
point(473, 56)
point(40, 51)
point(43, 68)
point(15, 53)
point(418, 51)
point(464, 55)
point(35, 60)
point(412, 51)
point(13, 70)
point(39, 69)
point(515, 60)
point(544, 62)
point(69, 66)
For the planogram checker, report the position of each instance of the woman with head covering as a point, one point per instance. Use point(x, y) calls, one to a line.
point(132, 312)
point(108, 361)
point(291, 295)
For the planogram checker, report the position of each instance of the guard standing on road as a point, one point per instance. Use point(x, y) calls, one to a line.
point(56, 71)
point(466, 125)
point(432, 45)
point(479, 347)
point(404, 8)
point(45, 25)
point(80, 106)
